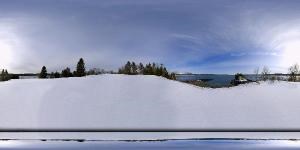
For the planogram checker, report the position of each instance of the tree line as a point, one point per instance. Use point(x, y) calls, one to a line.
point(293, 74)
point(265, 74)
point(131, 68)
point(65, 73)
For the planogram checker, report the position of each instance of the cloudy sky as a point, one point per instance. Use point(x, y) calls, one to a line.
point(213, 36)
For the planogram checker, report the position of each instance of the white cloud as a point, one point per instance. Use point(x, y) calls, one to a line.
point(172, 32)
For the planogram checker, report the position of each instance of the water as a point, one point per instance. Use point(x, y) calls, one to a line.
point(149, 145)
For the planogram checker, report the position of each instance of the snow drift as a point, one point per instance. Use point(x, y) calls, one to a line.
point(145, 102)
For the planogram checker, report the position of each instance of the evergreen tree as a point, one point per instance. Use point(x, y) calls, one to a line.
point(66, 73)
point(151, 70)
point(43, 73)
point(3, 75)
point(52, 75)
point(56, 75)
point(75, 73)
point(7, 75)
point(154, 69)
point(165, 73)
point(127, 68)
point(80, 69)
point(173, 76)
point(159, 70)
point(134, 68)
point(148, 69)
point(141, 68)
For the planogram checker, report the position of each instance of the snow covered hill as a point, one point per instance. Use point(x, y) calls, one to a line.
point(127, 102)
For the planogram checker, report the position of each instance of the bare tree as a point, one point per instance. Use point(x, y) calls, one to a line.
point(265, 73)
point(293, 72)
point(256, 72)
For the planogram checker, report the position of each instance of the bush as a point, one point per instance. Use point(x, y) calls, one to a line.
point(265, 73)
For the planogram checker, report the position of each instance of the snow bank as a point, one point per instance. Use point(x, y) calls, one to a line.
point(139, 102)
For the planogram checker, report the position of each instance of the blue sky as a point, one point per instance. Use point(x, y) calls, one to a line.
point(213, 36)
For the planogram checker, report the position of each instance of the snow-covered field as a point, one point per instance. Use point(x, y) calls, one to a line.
point(145, 102)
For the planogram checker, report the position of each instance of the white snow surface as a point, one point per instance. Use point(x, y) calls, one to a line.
point(145, 102)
